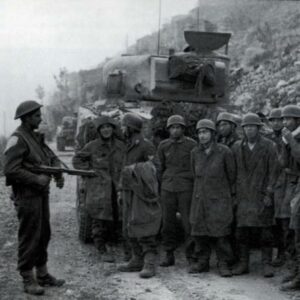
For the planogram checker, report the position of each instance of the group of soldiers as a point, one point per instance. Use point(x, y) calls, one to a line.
point(227, 189)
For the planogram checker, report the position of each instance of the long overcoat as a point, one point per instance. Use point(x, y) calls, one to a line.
point(255, 181)
point(214, 177)
point(106, 160)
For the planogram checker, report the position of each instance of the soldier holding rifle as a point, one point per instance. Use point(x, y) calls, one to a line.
point(31, 196)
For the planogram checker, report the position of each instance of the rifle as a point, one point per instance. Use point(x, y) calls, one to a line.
point(52, 171)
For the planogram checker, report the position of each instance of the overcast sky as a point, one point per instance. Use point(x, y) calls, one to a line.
point(38, 37)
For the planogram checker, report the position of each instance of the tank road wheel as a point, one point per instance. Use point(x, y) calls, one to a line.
point(83, 218)
point(60, 144)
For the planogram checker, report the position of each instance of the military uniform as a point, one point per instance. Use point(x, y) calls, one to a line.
point(105, 158)
point(255, 180)
point(142, 237)
point(212, 206)
point(175, 174)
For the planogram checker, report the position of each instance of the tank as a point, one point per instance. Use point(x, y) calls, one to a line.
point(192, 83)
point(65, 136)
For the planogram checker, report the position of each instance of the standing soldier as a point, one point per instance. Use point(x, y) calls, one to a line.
point(105, 156)
point(226, 127)
point(281, 201)
point(291, 162)
point(255, 157)
point(25, 149)
point(141, 210)
point(175, 174)
point(212, 210)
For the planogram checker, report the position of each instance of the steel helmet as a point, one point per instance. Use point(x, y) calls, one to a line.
point(104, 120)
point(206, 123)
point(176, 120)
point(133, 121)
point(251, 119)
point(26, 107)
point(275, 114)
point(291, 111)
point(225, 116)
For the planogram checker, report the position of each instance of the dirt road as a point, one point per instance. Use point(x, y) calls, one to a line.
point(89, 278)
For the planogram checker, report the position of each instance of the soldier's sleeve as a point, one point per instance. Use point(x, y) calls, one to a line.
point(272, 165)
point(295, 149)
point(14, 170)
point(160, 162)
point(230, 167)
point(193, 163)
point(81, 159)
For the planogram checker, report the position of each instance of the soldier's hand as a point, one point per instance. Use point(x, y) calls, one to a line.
point(43, 180)
point(60, 182)
point(286, 133)
point(268, 201)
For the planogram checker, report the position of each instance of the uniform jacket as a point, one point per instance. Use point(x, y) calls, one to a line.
point(214, 177)
point(229, 141)
point(174, 164)
point(106, 159)
point(255, 180)
point(26, 148)
point(143, 211)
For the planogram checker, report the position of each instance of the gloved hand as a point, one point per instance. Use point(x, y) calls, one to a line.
point(60, 182)
point(43, 180)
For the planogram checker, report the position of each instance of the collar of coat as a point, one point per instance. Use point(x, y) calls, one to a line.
point(178, 141)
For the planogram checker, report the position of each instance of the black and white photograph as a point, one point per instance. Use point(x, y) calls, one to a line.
point(150, 150)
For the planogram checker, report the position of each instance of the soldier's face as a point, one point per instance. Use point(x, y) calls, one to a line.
point(276, 124)
point(176, 131)
point(251, 132)
point(106, 131)
point(34, 119)
point(224, 128)
point(290, 123)
point(204, 136)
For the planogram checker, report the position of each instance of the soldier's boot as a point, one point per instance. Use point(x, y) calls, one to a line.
point(168, 259)
point(44, 278)
point(242, 267)
point(268, 270)
point(149, 269)
point(126, 251)
point(294, 284)
point(109, 255)
point(135, 263)
point(192, 265)
point(279, 261)
point(30, 285)
point(224, 269)
point(292, 274)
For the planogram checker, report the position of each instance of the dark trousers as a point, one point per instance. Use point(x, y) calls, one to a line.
point(34, 230)
point(263, 238)
point(144, 247)
point(204, 247)
point(104, 232)
point(173, 202)
point(284, 236)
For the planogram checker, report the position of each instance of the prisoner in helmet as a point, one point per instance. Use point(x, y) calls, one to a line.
point(256, 160)
point(291, 164)
point(211, 215)
point(104, 155)
point(226, 129)
point(26, 148)
point(142, 216)
point(176, 179)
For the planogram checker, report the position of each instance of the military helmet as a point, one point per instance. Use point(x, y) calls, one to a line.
point(291, 111)
point(104, 120)
point(132, 120)
point(176, 120)
point(251, 119)
point(275, 114)
point(206, 123)
point(225, 116)
point(26, 107)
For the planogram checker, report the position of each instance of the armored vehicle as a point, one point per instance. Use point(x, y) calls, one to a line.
point(192, 83)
